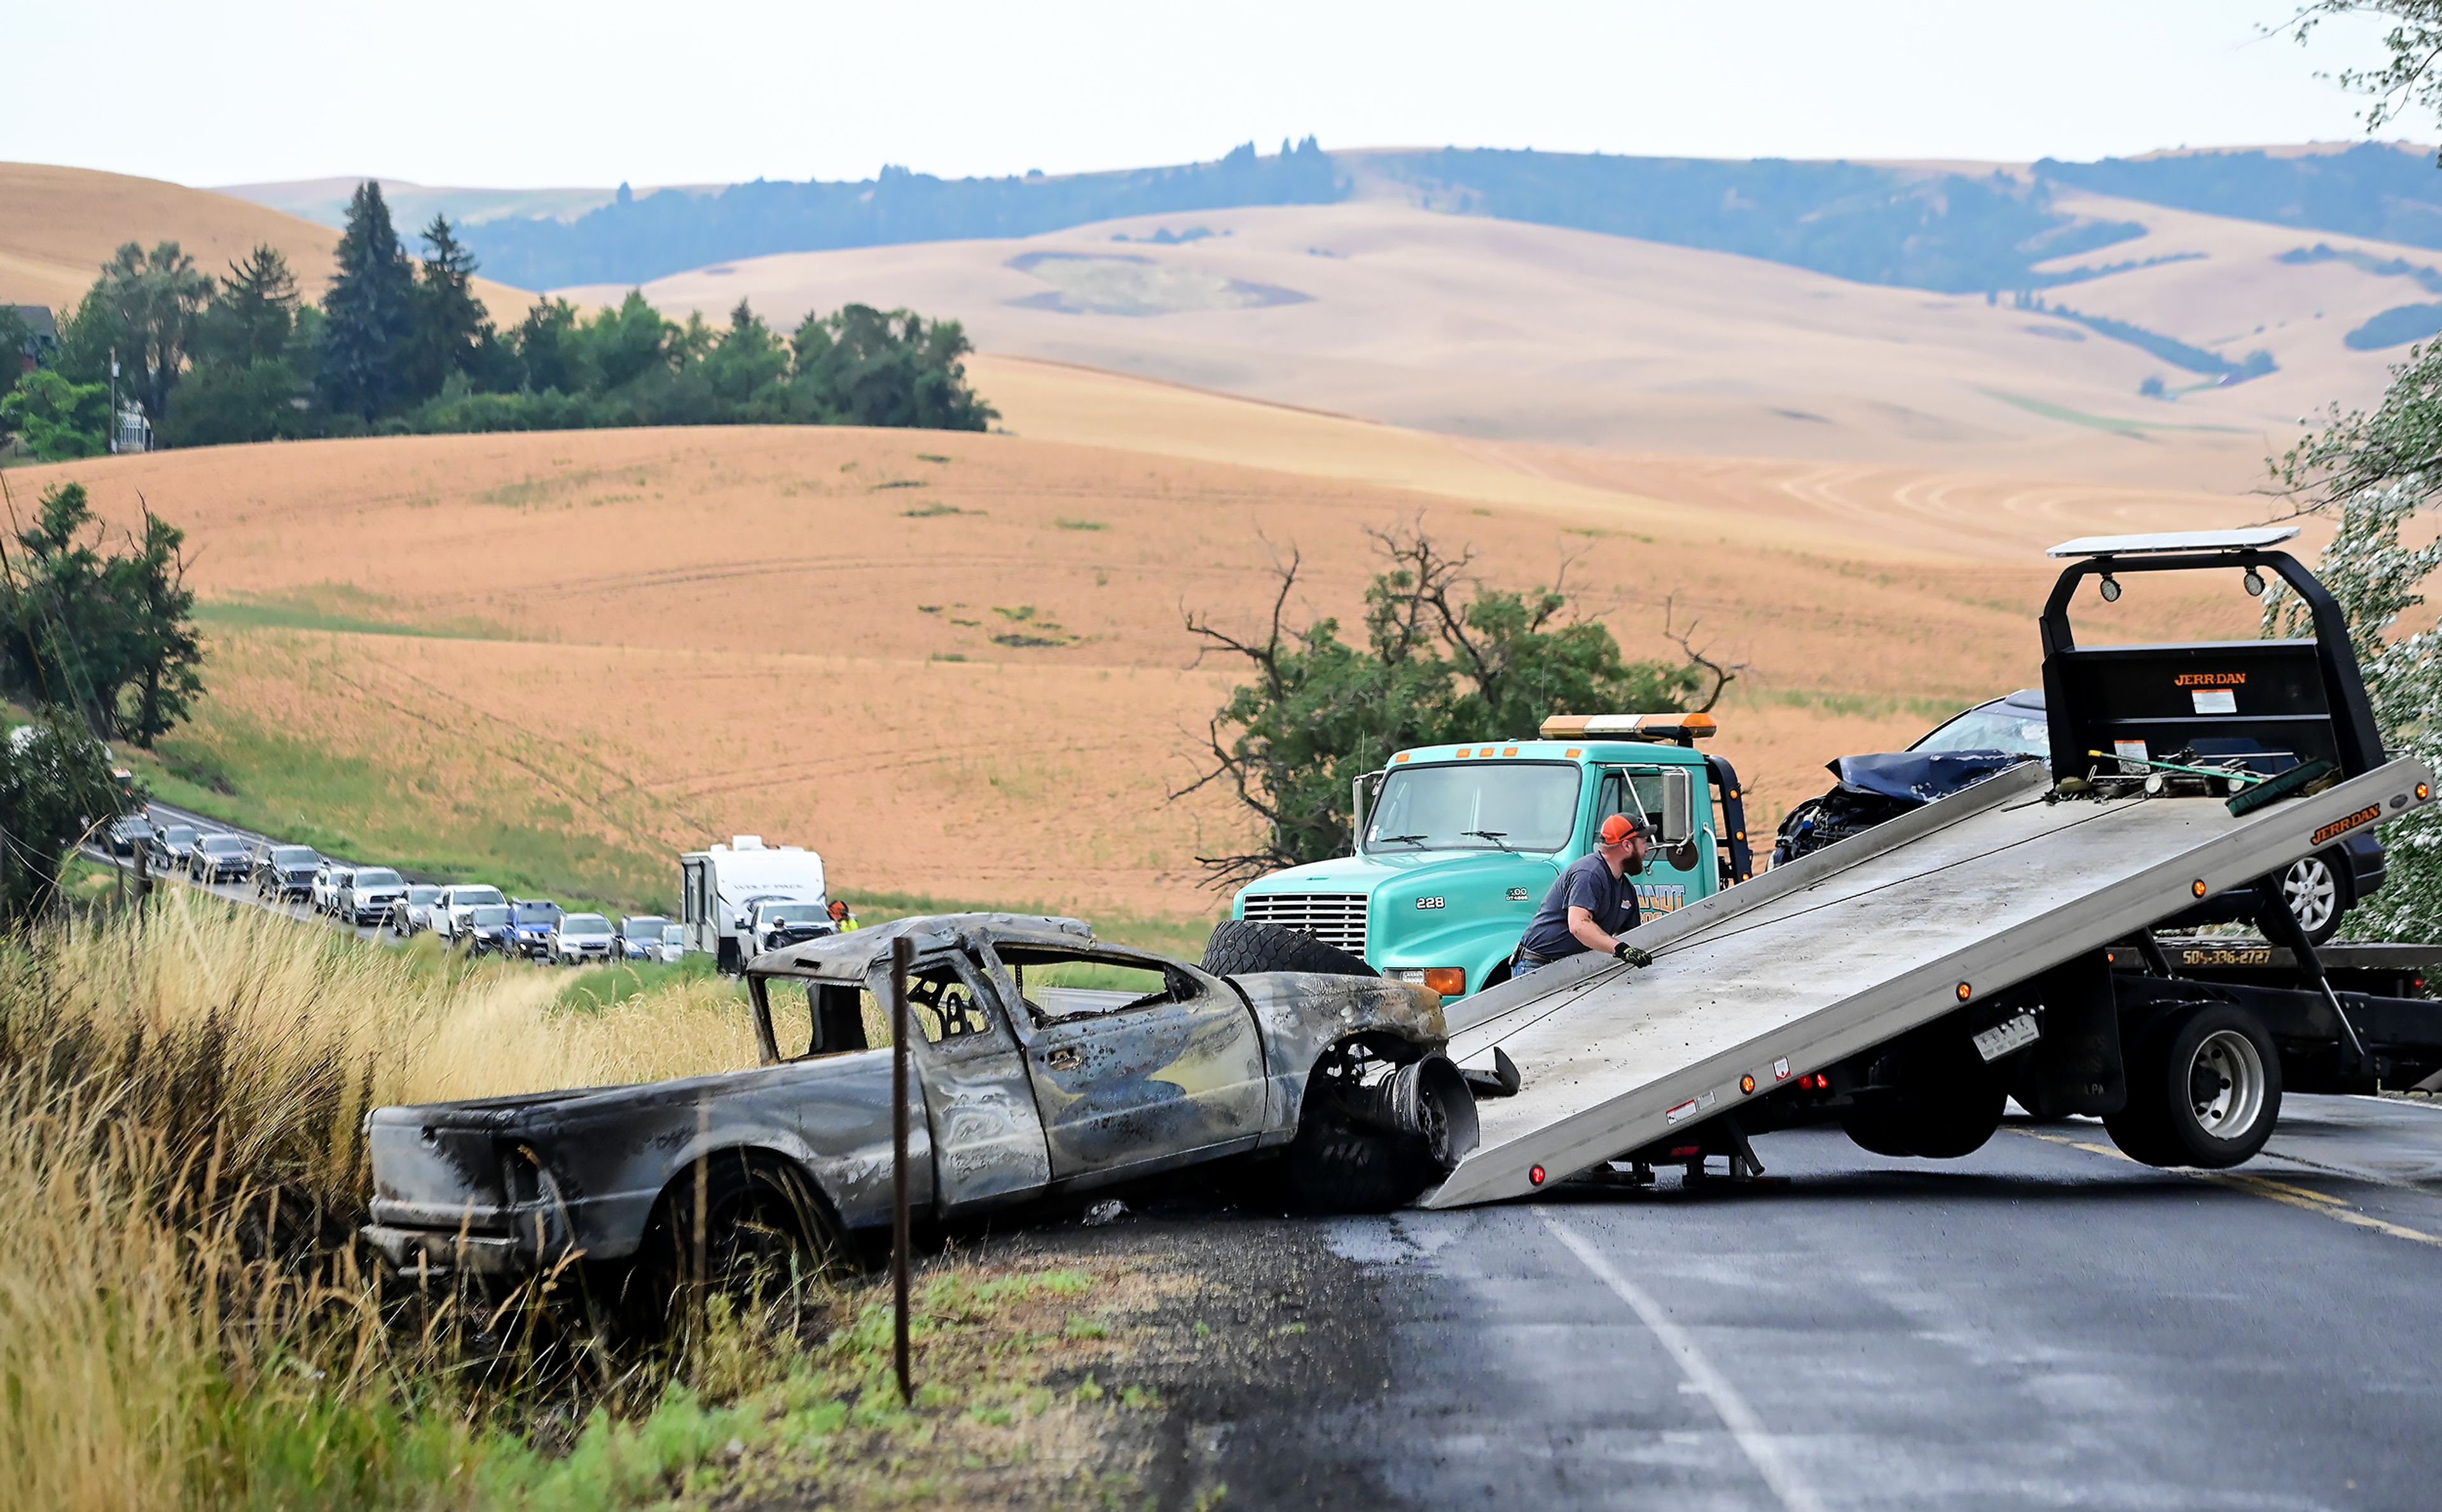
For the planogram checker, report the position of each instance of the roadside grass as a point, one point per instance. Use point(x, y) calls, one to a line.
point(235, 768)
point(188, 1319)
point(594, 988)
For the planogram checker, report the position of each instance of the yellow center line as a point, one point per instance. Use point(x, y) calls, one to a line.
point(2305, 1199)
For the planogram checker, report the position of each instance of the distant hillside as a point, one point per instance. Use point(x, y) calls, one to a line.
point(2390, 192)
point(1950, 231)
point(1913, 227)
point(1870, 223)
point(633, 239)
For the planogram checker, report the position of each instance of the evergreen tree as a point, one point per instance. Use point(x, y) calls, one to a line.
point(451, 331)
point(747, 359)
point(254, 316)
point(369, 310)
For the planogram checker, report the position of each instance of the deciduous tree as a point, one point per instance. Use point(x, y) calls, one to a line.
point(1446, 658)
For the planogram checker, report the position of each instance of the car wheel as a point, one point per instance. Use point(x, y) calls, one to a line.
point(1240, 945)
point(2315, 889)
point(753, 1229)
point(2204, 1089)
point(1371, 1145)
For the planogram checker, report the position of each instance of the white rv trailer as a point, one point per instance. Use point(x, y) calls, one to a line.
point(720, 886)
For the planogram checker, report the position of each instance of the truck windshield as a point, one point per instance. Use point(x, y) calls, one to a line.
point(1475, 806)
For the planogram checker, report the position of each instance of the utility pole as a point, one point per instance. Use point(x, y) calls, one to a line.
point(903, 960)
point(114, 401)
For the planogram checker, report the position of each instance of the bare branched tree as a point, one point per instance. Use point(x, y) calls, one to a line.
point(1445, 656)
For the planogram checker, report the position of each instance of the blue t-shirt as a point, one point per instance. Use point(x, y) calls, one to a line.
point(1585, 883)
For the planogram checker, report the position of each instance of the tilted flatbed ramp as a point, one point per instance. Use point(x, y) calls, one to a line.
point(1852, 946)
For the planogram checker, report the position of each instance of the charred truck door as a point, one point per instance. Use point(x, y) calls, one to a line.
point(1145, 1068)
point(988, 1144)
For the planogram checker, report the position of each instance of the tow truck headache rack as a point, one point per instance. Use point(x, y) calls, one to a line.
point(1902, 980)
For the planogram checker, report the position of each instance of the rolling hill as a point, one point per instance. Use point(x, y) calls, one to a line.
point(956, 663)
point(1519, 333)
point(59, 224)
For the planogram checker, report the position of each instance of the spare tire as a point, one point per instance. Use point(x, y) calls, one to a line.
point(1240, 945)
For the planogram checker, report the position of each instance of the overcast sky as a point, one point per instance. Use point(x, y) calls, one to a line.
point(526, 93)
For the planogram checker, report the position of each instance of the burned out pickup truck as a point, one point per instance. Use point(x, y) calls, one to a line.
point(1045, 1061)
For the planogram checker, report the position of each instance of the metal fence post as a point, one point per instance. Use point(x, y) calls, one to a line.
point(903, 960)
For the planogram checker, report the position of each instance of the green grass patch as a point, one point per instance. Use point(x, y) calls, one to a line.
point(937, 509)
point(340, 608)
point(591, 988)
point(1082, 524)
point(2114, 425)
point(234, 769)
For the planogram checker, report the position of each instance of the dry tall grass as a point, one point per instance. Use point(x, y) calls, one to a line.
point(183, 1316)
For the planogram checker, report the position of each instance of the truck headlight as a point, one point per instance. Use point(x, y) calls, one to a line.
point(1451, 981)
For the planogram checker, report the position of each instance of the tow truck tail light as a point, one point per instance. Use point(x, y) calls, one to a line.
point(1535, 1175)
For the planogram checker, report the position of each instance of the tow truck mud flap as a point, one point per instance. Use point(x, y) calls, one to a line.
point(1840, 953)
point(2076, 1066)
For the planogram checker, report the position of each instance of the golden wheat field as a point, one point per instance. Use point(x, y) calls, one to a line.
point(956, 663)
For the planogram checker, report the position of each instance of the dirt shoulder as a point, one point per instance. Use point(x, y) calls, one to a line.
point(1160, 1360)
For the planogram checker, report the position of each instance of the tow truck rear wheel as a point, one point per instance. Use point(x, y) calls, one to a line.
point(2204, 1089)
point(1947, 1103)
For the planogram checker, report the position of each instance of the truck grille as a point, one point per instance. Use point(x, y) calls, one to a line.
point(1335, 918)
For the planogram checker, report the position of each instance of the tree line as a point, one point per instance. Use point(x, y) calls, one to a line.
point(402, 345)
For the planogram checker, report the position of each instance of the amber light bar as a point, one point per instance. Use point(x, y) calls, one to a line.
point(1628, 727)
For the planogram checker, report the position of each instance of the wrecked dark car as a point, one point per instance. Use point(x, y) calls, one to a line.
point(1043, 1061)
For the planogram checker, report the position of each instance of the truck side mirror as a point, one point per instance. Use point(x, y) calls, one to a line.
point(1678, 807)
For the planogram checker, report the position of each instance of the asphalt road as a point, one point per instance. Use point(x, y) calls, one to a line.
point(2044, 1325)
point(236, 892)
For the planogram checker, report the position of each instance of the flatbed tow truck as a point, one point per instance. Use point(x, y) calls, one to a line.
point(1997, 942)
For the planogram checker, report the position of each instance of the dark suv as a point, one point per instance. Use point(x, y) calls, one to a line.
point(486, 930)
point(2318, 888)
point(285, 872)
point(220, 857)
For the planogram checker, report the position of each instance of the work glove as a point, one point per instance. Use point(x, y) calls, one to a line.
point(1632, 954)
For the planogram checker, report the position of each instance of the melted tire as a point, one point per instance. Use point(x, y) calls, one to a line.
point(765, 1233)
point(1345, 1169)
point(1242, 945)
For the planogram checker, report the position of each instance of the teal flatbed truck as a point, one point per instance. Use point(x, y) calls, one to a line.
point(1455, 844)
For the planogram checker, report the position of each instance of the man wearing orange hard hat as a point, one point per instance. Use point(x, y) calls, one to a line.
point(1592, 903)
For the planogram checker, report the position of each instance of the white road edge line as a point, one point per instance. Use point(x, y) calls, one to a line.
point(1747, 1429)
